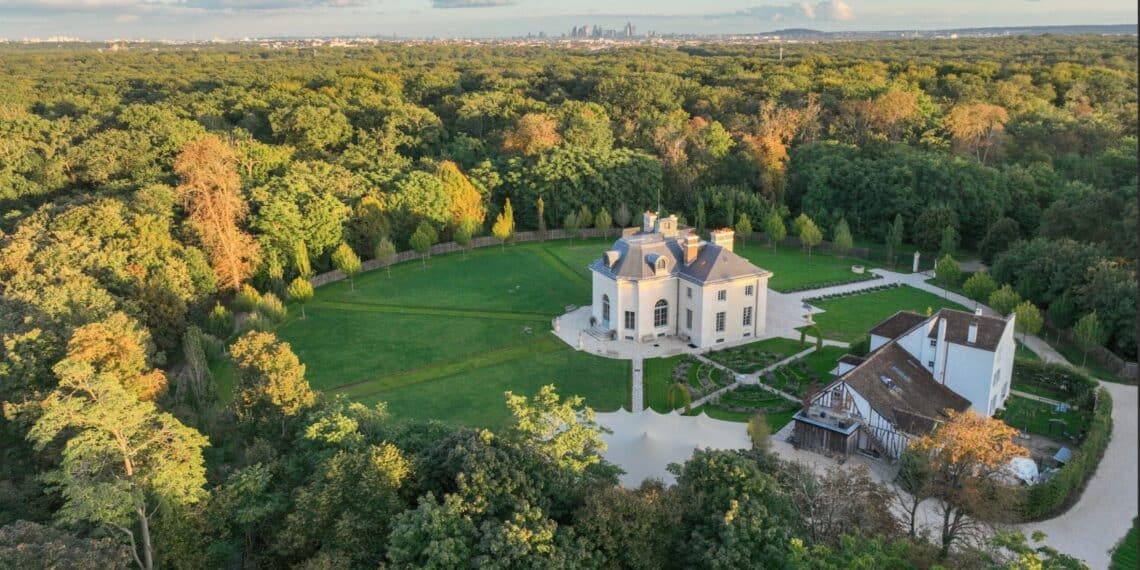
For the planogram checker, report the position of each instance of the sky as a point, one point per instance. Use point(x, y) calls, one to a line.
point(235, 19)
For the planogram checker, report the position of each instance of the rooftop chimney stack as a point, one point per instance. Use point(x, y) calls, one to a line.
point(972, 333)
point(723, 237)
point(667, 226)
point(649, 221)
point(691, 243)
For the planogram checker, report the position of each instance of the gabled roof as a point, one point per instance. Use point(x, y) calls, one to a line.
point(990, 329)
point(902, 390)
point(895, 325)
point(639, 253)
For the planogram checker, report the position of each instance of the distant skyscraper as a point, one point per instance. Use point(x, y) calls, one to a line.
point(629, 30)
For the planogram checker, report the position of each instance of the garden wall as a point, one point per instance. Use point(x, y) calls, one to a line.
point(1055, 496)
point(451, 247)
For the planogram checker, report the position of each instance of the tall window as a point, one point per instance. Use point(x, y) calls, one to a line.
point(689, 319)
point(722, 295)
point(747, 316)
point(689, 292)
point(605, 308)
point(748, 290)
point(660, 265)
point(720, 322)
point(661, 313)
point(630, 321)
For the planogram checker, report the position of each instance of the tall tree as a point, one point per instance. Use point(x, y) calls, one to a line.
point(949, 241)
point(1029, 319)
point(562, 429)
point(977, 128)
point(809, 233)
point(347, 262)
point(1004, 300)
point(300, 292)
point(463, 236)
point(744, 227)
point(603, 221)
point(841, 240)
point(894, 238)
point(964, 464)
point(533, 133)
point(948, 273)
point(774, 228)
point(270, 387)
point(422, 240)
point(504, 226)
point(301, 259)
point(571, 225)
point(466, 203)
point(623, 216)
point(386, 253)
point(122, 460)
point(979, 286)
point(211, 191)
point(1089, 334)
point(702, 216)
point(540, 206)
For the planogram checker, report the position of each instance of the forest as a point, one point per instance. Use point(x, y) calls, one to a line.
point(141, 191)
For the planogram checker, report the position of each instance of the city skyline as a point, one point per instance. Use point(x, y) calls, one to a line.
point(231, 19)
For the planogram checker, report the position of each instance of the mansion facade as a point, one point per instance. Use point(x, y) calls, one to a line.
point(659, 280)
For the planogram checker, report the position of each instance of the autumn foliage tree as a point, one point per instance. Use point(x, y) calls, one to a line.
point(964, 465)
point(270, 381)
point(211, 192)
point(977, 128)
point(532, 134)
point(466, 203)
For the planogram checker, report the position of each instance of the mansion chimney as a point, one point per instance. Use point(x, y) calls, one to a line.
point(722, 237)
point(691, 243)
point(667, 226)
point(649, 221)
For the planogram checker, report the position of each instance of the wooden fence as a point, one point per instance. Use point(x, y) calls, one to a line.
point(1109, 360)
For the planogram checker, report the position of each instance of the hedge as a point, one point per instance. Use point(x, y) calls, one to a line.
point(1055, 496)
point(1078, 386)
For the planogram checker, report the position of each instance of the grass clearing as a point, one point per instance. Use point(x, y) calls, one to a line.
point(656, 379)
point(792, 271)
point(1089, 366)
point(848, 318)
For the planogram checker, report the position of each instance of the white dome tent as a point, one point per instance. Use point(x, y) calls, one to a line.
point(645, 443)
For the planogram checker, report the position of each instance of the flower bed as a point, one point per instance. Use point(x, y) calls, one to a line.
point(756, 356)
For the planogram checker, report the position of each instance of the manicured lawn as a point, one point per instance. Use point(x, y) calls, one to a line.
point(1124, 557)
point(751, 357)
point(517, 278)
point(848, 318)
point(792, 271)
point(475, 397)
point(1034, 417)
point(342, 347)
point(446, 341)
point(656, 378)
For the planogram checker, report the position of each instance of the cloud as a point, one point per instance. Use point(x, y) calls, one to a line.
point(828, 10)
point(471, 3)
point(200, 6)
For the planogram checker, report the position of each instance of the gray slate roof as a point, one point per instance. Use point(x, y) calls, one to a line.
point(640, 251)
point(913, 400)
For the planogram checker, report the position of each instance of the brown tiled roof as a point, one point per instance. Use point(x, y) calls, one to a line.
point(897, 324)
point(852, 359)
point(990, 329)
point(902, 390)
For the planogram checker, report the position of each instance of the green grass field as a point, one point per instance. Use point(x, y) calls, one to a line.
point(791, 269)
point(447, 340)
point(1124, 556)
point(848, 318)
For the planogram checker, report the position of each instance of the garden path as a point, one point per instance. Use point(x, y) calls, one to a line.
point(637, 398)
point(1029, 396)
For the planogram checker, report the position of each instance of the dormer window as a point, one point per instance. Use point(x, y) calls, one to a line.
point(661, 264)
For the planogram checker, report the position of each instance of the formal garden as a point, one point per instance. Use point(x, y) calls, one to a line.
point(805, 375)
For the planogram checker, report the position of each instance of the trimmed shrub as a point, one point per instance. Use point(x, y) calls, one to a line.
point(861, 346)
point(1055, 496)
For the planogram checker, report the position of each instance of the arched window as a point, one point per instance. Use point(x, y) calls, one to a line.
point(605, 308)
point(661, 313)
point(661, 264)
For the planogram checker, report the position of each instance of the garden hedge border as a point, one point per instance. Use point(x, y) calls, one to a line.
point(1055, 496)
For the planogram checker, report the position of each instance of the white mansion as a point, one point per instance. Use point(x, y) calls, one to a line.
point(657, 281)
